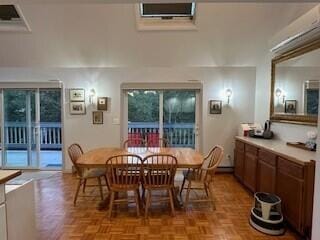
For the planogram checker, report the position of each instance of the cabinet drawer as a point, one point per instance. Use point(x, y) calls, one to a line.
point(251, 149)
point(268, 157)
point(290, 168)
point(2, 193)
point(240, 146)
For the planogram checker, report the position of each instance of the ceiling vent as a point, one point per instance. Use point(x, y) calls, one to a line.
point(166, 16)
point(11, 19)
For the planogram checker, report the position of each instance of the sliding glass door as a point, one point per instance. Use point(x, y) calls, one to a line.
point(171, 114)
point(31, 128)
point(19, 146)
point(50, 156)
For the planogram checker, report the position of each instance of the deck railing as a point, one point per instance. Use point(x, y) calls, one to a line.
point(16, 135)
point(178, 134)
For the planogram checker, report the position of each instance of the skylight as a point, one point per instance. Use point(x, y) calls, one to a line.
point(167, 10)
point(11, 18)
point(8, 13)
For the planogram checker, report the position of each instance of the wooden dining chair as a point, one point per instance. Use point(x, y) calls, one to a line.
point(202, 179)
point(158, 172)
point(134, 143)
point(156, 141)
point(123, 174)
point(83, 174)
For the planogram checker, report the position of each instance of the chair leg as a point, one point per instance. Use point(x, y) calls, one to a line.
point(182, 186)
point(111, 204)
point(136, 196)
point(100, 188)
point(148, 203)
point(171, 201)
point(206, 189)
point(187, 195)
point(210, 187)
point(77, 192)
point(107, 184)
point(84, 185)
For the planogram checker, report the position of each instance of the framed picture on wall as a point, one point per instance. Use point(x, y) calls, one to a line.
point(102, 103)
point(77, 95)
point(215, 106)
point(77, 108)
point(97, 117)
point(290, 106)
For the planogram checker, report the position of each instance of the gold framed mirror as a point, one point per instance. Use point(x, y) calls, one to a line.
point(295, 82)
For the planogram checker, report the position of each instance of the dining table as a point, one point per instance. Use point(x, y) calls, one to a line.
point(187, 158)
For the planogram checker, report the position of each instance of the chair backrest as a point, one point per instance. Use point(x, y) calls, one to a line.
point(134, 142)
point(75, 151)
point(153, 140)
point(123, 170)
point(211, 163)
point(159, 170)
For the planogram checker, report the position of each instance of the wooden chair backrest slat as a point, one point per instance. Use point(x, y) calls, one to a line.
point(159, 170)
point(211, 162)
point(75, 151)
point(123, 170)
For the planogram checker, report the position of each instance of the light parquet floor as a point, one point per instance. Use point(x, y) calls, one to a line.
point(57, 218)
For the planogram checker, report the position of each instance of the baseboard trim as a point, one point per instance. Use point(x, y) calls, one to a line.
point(225, 169)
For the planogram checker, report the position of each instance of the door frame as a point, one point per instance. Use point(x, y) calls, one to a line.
point(37, 86)
point(161, 86)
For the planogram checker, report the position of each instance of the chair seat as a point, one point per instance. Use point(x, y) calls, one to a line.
point(93, 172)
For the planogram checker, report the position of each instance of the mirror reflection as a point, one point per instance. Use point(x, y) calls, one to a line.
point(296, 89)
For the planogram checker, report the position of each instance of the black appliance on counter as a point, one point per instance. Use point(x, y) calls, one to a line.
point(266, 133)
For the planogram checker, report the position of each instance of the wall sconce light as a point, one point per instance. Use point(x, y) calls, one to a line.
point(92, 94)
point(279, 93)
point(228, 94)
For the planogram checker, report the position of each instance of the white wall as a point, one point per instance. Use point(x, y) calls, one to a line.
point(218, 129)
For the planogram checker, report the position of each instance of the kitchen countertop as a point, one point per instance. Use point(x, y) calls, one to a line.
point(281, 148)
point(6, 175)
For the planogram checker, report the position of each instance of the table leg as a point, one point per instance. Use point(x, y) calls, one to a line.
point(104, 204)
point(178, 204)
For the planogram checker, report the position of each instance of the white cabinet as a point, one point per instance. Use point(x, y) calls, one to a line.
point(21, 211)
point(3, 224)
point(2, 194)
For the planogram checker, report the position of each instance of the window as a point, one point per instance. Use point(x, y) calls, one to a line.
point(167, 10)
point(8, 13)
point(166, 16)
point(11, 19)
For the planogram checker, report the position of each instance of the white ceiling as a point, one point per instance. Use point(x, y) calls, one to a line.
point(105, 35)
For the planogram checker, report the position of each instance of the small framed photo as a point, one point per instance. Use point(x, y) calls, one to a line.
point(290, 106)
point(97, 117)
point(215, 106)
point(102, 103)
point(77, 108)
point(77, 95)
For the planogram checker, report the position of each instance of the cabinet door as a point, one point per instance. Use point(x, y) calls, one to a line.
point(250, 171)
point(238, 164)
point(266, 177)
point(290, 190)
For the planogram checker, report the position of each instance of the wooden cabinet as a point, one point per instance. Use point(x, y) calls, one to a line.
point(250, 170)
point(264, 170)
point(239, 160)
point(266, 173)
point(290, 190)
